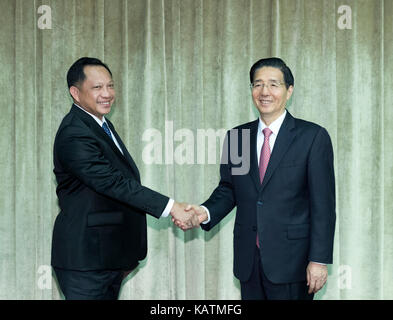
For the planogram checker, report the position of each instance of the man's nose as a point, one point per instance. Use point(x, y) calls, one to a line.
point(265, 90)
point(105, 92)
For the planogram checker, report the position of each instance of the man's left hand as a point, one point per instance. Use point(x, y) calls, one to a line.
point(316, 276)
point(182, 218)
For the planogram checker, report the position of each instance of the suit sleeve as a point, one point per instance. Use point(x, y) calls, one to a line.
point(80, 154)
point(322, 198)
point(222, 200)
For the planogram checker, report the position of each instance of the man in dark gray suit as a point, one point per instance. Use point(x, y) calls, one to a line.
point(285, 218)
point(100, 233)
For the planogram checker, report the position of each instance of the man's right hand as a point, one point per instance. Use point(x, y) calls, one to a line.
point(182, 218)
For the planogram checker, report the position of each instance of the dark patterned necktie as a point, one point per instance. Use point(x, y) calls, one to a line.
point(106, 129)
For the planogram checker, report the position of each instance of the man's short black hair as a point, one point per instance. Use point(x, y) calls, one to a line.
point(275, 63)
point(75, 74)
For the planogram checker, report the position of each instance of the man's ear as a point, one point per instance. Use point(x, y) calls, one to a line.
point(289, 92)
point(74, 91)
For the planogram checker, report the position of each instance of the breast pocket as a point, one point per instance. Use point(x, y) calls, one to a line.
point(293, 175)
point(292, 163)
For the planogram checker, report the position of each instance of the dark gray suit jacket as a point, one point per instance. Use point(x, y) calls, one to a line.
point(103, 206)
point(293, 210)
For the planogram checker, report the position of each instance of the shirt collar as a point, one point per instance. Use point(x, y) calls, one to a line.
point(274, 126)
point(98, 120)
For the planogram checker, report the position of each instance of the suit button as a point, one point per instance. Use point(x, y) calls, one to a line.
point(254, 228)
point(260, 203)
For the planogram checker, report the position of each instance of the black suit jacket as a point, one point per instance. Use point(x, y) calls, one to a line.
point(293, 210)
point(103, 206)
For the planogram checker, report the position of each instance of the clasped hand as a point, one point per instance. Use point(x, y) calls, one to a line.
point(187, 216)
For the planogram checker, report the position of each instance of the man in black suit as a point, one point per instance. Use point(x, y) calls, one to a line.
point(285, 218)
point(100, 233)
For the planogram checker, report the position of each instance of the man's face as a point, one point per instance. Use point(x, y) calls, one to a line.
point(271, 97)
point(96, 94)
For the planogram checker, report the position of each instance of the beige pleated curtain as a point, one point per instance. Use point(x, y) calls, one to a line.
point(181, 67)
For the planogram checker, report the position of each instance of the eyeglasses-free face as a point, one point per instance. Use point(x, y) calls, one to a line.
point(97, 93)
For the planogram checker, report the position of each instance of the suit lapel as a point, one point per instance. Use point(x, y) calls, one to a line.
point(254, 170)
point(284, 139)
point(125, 151)
point(93, 125)
point(97, 129)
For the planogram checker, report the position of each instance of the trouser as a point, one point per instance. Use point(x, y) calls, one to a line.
point(259, 287)
point(90, 285)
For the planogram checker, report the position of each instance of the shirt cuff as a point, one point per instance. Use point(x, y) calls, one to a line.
point(168, 208)
point(323, 264)
point(208, 215)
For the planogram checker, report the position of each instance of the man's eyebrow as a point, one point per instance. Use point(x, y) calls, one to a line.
point(259, 80)
point(101, 83)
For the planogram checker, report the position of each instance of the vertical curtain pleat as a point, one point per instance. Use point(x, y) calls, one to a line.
point(387, 137)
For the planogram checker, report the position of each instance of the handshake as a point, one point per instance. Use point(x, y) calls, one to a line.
point(187, 216)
